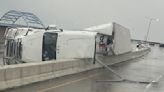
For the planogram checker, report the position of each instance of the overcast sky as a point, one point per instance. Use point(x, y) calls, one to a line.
point(80, 14)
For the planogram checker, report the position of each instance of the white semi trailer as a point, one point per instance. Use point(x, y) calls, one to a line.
point(37, 45)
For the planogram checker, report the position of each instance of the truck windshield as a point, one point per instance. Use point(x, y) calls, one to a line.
point(49, 46)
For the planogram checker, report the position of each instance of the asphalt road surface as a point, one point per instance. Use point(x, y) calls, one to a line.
point(146, 69)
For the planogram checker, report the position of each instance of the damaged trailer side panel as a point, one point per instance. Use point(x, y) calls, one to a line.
point(122, 40)
point(121, 36)
point(75, 45)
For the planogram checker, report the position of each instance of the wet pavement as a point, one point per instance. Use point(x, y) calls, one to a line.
point(147, 68)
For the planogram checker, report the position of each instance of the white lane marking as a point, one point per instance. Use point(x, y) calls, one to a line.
point(152, 82)
point(67, 83)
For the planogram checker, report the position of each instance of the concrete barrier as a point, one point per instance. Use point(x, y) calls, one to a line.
point(22, 74)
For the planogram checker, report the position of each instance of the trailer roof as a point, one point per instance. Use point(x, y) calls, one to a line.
point(105, 29)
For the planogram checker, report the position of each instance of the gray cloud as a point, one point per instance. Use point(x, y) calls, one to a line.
point(79, 14)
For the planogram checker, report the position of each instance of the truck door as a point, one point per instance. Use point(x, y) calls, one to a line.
point(49, 46)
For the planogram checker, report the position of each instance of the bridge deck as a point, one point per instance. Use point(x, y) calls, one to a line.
point(147, 68)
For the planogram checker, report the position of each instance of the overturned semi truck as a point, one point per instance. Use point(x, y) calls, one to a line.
point(37, 45)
